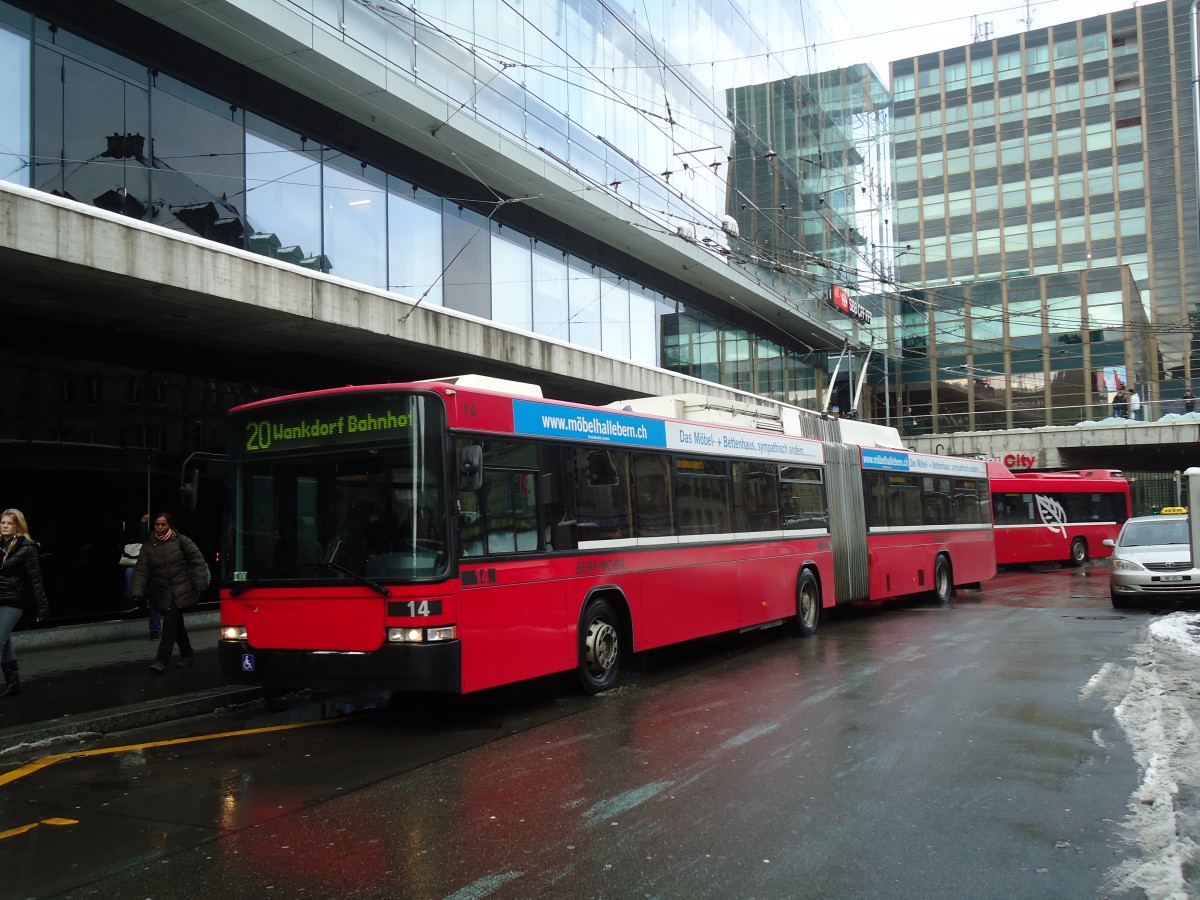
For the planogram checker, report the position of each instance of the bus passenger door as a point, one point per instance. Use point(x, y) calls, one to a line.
point(512, 616)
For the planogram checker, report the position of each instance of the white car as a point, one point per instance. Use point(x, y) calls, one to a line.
point(1152, 560)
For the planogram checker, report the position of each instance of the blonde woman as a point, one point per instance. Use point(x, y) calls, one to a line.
point(20, 587)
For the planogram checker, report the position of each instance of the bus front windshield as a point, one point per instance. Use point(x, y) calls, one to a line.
point(352, 512)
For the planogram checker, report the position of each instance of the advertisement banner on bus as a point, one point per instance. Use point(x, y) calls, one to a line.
point(918, 463)
point(550, 420)
point(554, 421)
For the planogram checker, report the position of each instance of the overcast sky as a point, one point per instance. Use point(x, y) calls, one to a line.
point(892, 29)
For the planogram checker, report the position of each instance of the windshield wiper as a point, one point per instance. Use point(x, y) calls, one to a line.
point(361, 579)
point(242, 586)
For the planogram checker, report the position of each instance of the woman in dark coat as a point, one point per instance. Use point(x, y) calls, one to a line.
point(171, 575)
point(20, 587)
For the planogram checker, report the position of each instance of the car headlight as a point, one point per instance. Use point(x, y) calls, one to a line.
point(1127, 565)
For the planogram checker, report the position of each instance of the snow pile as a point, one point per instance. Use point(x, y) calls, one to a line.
point(1155, 704)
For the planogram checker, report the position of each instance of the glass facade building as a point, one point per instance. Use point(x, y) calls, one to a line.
point(1023, 165)
point(564, 168)
point(621, 101)
point(1019, 352)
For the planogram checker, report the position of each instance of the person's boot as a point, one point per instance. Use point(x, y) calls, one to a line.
point(12, 680)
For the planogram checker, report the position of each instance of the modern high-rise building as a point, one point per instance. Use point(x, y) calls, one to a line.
point(1026, 168)
point(211, 202)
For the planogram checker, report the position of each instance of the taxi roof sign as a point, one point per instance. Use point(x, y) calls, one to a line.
point(1173, 511)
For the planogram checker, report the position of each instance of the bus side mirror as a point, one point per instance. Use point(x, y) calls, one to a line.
point(189, 491)
point(470, 468)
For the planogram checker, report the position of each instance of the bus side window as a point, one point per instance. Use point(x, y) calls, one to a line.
point(604, 506)
point(470, 523)
point(550, 492)
point(755, 497)
point(802, 498)
point(875, 488)
point(653, 495)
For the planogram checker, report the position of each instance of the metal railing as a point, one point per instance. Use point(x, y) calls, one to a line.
point(952, 420)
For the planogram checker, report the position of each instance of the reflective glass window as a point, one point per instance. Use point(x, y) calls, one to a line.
point(414, 243)
point(196, 182)
point(550, 293)
point(614, 315)
point(512, 285)
point(466, 239)
point(355, 222)
point(583, 293)
point(283, 196)
point(91, 135)
point(14, 107)
point(643, 326)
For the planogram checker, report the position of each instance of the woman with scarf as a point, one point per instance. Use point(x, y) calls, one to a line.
point(171, 575)
point(20, 583)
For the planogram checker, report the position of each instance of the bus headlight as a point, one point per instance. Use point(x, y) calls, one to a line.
point(422, 635)
point(234, 632)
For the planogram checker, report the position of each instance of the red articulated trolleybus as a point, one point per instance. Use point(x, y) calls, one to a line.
point(454, 535)
point(1056, 516)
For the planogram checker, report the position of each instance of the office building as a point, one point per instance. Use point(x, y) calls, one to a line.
point(1026, 167)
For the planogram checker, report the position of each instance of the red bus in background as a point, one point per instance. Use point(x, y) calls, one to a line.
point(1056, 516)
point(454, 535)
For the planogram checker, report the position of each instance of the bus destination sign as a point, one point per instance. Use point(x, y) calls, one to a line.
point(307, 426)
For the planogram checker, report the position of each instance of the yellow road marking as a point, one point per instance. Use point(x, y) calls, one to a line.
point(47, 761)
point(13, 832)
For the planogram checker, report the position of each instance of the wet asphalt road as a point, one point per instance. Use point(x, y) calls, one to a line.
point(902, 752)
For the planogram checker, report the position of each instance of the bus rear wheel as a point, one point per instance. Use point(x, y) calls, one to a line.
point(808, 604)
point(943, 581)
point(1079, 552)
point(599, 647)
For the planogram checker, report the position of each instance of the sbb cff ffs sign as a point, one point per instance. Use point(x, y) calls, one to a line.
point(840, 299)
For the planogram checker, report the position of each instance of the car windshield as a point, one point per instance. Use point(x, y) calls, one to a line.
point(1157, 531)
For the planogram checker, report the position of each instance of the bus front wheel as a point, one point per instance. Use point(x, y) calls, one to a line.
point(808, 604)
point(599, 647)
point(943, 581)
point(1079, 552)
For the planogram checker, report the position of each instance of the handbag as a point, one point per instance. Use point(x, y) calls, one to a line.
point(129, 554)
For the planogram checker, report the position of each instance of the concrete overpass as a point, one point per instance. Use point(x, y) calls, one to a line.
point(116, 287)
point(96, 284)
point(1167, 445)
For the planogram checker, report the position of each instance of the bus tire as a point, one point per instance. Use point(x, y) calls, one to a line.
point(599, 652)
point(943, 580)
point(1079, 552)
point(808, 604)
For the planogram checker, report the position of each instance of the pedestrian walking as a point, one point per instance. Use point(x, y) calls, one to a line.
point(1189, 402)
point(171, 575)
point(20, 587)
point(131, 546)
